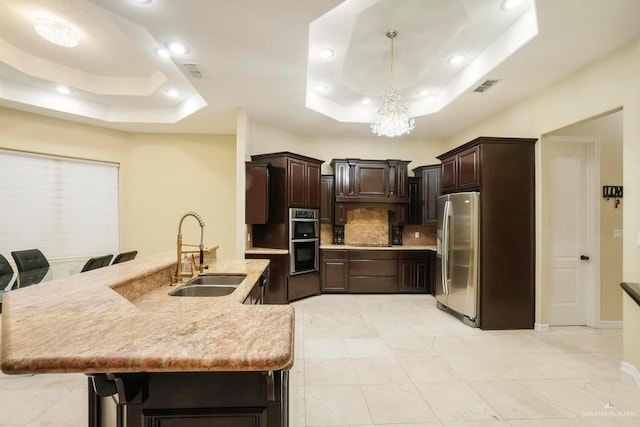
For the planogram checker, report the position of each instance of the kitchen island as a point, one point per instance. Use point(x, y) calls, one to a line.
point(170, 360)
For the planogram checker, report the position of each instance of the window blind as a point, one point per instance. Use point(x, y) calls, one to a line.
point(65, 207)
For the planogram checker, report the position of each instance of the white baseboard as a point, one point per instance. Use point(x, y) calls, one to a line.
point(609, 324)
point(541, 327)
point(630, 369)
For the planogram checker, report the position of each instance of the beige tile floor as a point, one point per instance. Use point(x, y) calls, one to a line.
point(398, 361)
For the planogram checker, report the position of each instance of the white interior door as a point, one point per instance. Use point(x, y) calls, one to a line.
point(569, 233)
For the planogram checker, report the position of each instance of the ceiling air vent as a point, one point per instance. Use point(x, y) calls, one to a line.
point(193, 70)
point(485, 86)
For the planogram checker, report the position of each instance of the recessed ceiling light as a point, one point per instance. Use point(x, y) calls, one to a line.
point(456, 59)
point(177, 48)
point(163, 53)
point(365, 101)
point(322, 88)
point(325, 53)
point(63, 90)
point(424, 92)
point(56, 32)
point(142, 1)
point(511, 4)
point(172, 93)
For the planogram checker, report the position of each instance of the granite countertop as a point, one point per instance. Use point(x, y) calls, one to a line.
point(121, 319)
point(382, 248)
point(266, 251)
point(633, 290)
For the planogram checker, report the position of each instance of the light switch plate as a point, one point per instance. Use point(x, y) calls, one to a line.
point(417, 235)
point(617, 233)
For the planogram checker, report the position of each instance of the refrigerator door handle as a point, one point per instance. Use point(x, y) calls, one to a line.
point(445, 248)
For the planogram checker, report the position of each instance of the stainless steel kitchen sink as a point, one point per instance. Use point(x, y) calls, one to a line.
point(218, 279)
point(203, 291)
point(209, 285)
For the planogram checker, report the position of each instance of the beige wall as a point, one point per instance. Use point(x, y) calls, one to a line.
point(603, 86)
point(607, 130)
point(161, 176)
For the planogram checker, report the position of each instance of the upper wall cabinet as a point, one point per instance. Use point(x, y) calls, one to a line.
point(377, 181)
point(294, 182)
point(257, 193)
point(424, 194)
point(327, 199)
point(461, 167)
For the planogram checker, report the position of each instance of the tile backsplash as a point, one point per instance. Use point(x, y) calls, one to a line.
point(427, 234)
point(367, 226)
point(370, 226)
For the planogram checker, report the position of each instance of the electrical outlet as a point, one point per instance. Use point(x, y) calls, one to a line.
point(417, 235)
point(248, 237)
point(617, 233)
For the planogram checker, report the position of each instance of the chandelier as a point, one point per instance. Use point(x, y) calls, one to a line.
point(393, 118)
point(56, 32)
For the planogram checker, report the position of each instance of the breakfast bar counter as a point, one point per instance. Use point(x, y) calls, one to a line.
point(169, 359)
point(122, 319)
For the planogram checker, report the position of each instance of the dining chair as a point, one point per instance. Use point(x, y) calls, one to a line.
point(30, 259)
point(6, 274)
point(97, 262)
point(124, 256)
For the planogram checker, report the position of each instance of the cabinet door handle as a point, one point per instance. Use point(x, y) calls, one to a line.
point(584, 258)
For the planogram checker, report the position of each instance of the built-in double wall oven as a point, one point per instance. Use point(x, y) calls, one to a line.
point(304, 240)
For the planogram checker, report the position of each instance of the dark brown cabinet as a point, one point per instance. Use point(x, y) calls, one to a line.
point(415, 201)
point(294, 181)
point(340, 214)
point(194, 399)
point(461, 170)
point(373, 271)
point(414, 274)
point(334, 271)
point(327, 199)
point(502, 170)
point(424, 207)
point(257, 193)
point(276, 292)
point(296, 176)
point(376, 181)
point(304, 183)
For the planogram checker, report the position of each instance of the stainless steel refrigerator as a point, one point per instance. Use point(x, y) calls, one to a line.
point(457, 283)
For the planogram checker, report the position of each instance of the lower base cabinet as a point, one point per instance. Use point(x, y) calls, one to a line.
point(377, 271)
point(277, 290)
point(414, 271)
point(334, 271)
point(195, 399)
point(373, 271)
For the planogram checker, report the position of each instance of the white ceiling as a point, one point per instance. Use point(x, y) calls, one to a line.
point(260, 55)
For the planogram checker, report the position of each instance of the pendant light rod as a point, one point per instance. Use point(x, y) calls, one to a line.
point(391, 35)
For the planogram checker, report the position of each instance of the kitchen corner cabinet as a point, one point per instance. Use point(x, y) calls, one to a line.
point(373, 181)
point(423, 207)
point(276, 292)
point(414, 273)
point(327, 199)
point(502, 170)
point(298, 179)
point(334, 271)
point(257, 193)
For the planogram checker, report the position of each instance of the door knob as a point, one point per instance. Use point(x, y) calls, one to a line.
point(584, 258)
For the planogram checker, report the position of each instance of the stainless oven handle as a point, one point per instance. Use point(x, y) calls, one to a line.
point(304, 219)
point(314, 239)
